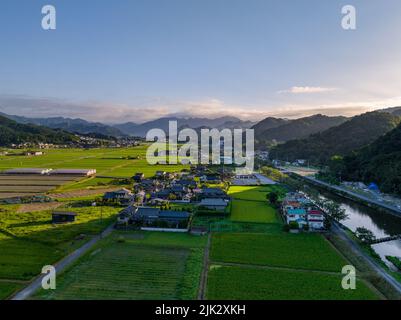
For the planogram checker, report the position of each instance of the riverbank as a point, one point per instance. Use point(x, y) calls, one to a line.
point(350, 195)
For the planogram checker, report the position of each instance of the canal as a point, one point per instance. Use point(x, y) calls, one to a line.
point(382, 224)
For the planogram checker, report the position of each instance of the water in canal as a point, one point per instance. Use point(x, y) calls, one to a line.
point(382, 224)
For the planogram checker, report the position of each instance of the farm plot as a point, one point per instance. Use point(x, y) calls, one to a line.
point(247, 283)
point(300, 251)
point(135, 265)
point(252, 211)
point(252, 193)
point(22, 185)
point(28, 240)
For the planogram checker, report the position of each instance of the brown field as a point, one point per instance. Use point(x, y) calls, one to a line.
point(12, 186)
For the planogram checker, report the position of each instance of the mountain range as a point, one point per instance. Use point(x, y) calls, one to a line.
point(194, 123)
point(341, 140)
point(129, 128)
point(12, 132)
point(273, 130)
point(71, 125)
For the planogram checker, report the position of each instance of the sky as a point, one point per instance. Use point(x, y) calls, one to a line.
point(136, 60)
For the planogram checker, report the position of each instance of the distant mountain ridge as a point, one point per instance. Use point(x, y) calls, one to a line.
point(12, 132)
point(353, 134)
point(194, 123)
point(71, 125)
point(273, 130)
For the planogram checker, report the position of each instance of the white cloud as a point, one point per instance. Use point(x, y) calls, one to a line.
point(306, 90)
point(145, 109)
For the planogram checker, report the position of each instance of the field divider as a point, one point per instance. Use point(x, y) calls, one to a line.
point(257, 266)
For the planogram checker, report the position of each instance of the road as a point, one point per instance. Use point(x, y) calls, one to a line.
point(61, 265)
point(356, 195)
point(357, 250)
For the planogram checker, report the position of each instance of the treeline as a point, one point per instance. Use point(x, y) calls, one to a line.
point(341, 140)
point(379, 162)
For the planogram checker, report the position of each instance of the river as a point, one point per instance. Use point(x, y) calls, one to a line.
point(382, 224)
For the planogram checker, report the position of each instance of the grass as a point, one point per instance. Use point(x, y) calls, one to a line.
point(28, 241)
point(240, 283)
point(298, 251)
point(7, 289)
point(254, 193)
point(253, 211)
point(118, 162)
point(135, 265)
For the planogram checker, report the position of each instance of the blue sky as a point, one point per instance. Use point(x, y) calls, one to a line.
point(139, 59)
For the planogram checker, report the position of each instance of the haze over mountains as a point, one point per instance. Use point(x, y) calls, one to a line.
point(129, 128)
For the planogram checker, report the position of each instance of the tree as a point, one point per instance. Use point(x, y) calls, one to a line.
point(364, 234)
point(334, 210)
point(272, 197)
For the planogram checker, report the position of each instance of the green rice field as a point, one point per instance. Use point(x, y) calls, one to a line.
point(298, 251)
point(135, 265)
point(247, 283)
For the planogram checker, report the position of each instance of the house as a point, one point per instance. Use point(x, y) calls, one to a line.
point(315, 219)
point(212, 179)
point(148, 216)
point(63, 217)
point(212, 193)
point(298, 215)
point(122, 195)
point(138, 177)
point(160, 174)
point(217, 204)
point(298, 208)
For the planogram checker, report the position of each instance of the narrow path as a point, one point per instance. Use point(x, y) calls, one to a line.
point(358, 251)
point(206, 263)
point(61, 265)
point(257, 266)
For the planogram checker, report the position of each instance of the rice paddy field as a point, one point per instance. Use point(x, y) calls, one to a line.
point(247, 283)
point(109, 164)
point(253, 211)
point(135, 265)
point(298, 251)
point(28, 240)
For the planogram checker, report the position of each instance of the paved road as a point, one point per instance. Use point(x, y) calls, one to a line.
point(263, 179)
point(357, 250)
point(356, 195)
point(61, 265)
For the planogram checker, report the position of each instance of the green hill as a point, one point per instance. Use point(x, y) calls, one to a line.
point(271, 130)
point(341, 140)
point(13, 132)
point(380, 162)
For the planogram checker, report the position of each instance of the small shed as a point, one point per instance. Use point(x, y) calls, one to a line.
point(63, 217)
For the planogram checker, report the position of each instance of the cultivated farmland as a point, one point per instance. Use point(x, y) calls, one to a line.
point(247, 283)
point(28, 240)
point(135, 265)
point(253, 211)
point(298, 251)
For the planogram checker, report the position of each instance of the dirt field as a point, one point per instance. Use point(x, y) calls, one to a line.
point(32, 207)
